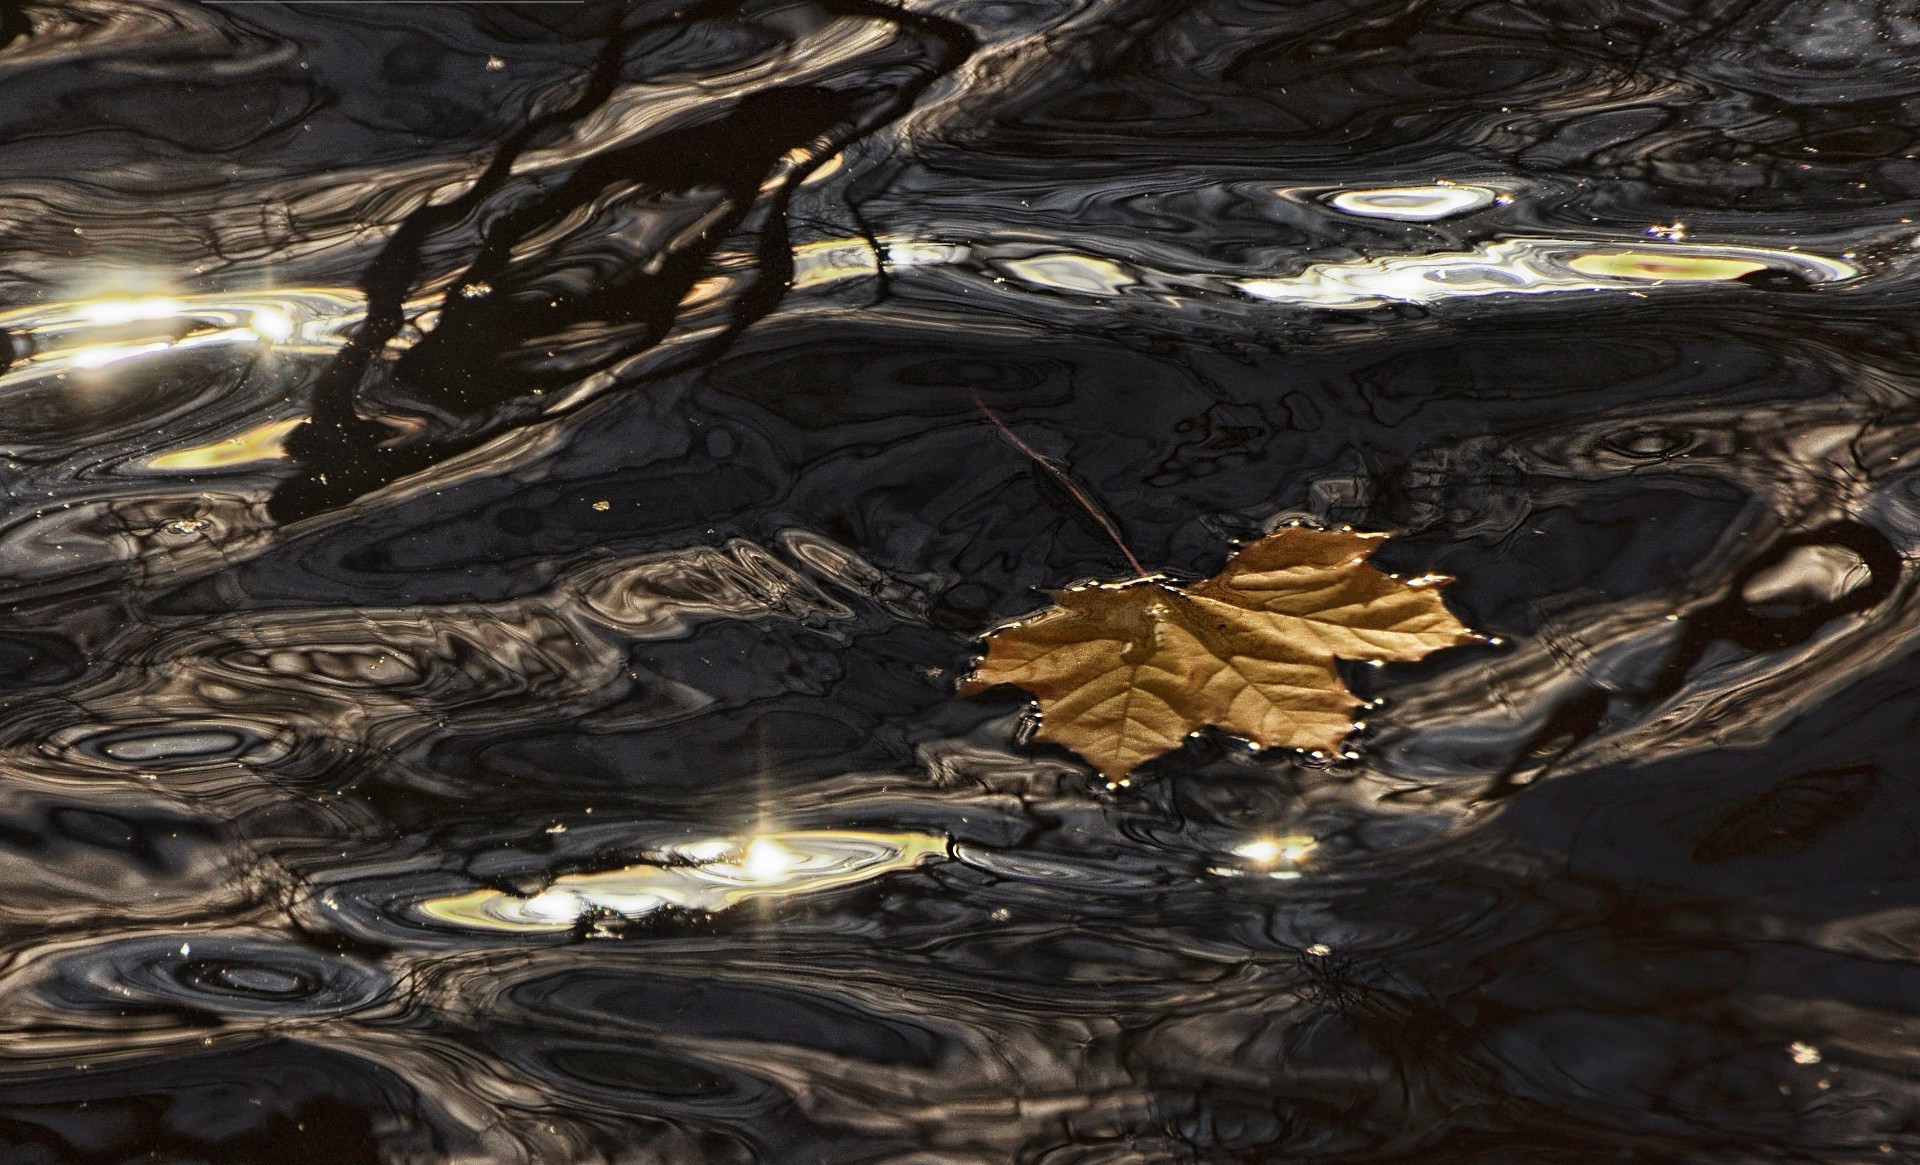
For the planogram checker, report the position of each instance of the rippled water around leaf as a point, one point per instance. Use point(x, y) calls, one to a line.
point(499, 499)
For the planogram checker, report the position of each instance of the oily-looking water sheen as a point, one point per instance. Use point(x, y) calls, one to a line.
point(499, 498)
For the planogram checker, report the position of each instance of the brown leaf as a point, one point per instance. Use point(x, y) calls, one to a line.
point(1125, 671)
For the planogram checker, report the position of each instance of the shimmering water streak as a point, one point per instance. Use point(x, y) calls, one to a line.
point(710, 875)
point(1516, 266)
point(828, 261)
point(1531, 267)
point(82, 335)
point(88, 334)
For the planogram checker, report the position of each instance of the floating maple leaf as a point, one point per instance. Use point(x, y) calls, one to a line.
point(1125, 671)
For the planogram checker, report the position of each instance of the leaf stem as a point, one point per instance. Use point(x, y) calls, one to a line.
point(1060, 475)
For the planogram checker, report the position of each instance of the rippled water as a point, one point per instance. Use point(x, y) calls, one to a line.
point(499, 497)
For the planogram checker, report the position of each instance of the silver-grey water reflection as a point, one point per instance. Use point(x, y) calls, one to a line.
point(496, 508)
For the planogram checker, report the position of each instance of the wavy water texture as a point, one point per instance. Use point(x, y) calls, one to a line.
point(498, 499)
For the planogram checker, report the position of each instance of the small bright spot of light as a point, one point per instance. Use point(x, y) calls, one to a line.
point(272, 325)
point(766, 858)
point(554, 905)
point(1264, 850)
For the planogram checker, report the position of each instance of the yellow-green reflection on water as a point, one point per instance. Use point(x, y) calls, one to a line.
point(1645, 265)
point(260, 443)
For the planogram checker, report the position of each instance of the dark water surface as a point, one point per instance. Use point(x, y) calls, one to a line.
point(496, 511)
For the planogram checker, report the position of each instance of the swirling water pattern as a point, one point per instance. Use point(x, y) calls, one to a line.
point(496, 508)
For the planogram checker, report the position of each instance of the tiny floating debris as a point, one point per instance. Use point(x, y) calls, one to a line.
point(710, 875)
